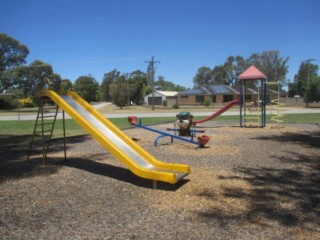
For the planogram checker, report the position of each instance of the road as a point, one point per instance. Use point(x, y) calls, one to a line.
point(162, 114)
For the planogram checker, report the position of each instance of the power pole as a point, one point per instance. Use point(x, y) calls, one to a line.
point(151, 75)
point(128, 91)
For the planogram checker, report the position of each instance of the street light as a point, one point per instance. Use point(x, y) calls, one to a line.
point(308, 61)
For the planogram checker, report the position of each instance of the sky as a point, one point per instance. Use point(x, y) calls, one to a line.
point(82, 37)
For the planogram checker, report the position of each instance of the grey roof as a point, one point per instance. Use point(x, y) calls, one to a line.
point(221, 89)
point(195, 91)
point(213, 89)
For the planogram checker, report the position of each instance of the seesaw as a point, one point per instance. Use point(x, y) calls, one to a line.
point(201, 140)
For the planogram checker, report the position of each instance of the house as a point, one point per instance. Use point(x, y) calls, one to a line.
point(216, 94)
point(159, 98)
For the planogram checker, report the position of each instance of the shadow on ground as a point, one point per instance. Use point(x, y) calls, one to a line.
point(119, 173)
point(304, 139)
point(287, 195)
point(14, 164)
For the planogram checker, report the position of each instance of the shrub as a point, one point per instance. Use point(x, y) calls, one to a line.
point(175, 106)
point(206, 102)
point(165, 103)
point(8, 104)
point(26, 102)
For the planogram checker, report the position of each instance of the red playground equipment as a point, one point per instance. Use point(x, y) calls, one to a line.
point(219, 112)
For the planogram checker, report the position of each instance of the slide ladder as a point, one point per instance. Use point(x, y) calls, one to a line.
point(43, 129)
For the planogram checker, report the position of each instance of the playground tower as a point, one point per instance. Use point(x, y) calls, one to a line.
point(252, 110)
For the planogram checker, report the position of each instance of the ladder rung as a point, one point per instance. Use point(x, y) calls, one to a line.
point(44, 124)
point(47, 116)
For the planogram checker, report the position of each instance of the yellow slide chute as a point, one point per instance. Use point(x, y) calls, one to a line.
point(131, 154)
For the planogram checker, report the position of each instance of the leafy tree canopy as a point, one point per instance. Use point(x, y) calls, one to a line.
point(34, 77)
point(269, 62)
point(164, 85)
point(312, 92)
point(203, 77)
point(119, 92)
point(87, 87)
point(307, 73)
point(12, 54)
point(108, 79)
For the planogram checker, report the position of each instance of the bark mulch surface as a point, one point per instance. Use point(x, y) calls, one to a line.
point(248, 183)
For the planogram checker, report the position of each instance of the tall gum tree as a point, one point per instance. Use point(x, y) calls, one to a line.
point(12, 54)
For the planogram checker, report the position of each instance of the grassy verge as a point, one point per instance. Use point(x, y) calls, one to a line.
point(20, 132)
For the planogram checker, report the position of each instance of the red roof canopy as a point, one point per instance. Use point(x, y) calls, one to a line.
point(252, 73)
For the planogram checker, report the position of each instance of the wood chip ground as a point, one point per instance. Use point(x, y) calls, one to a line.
point(247, 183)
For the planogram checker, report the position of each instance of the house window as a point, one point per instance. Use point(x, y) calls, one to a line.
point(184, 96)
point(213, 99)
point(227, 98)
point(199, 99)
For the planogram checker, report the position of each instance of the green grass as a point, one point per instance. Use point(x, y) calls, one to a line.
point(307, 118)
point(20, 132)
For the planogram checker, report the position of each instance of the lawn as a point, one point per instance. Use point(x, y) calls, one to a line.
point(20, 132)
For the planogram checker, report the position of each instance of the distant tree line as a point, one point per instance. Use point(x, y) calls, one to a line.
point(270, 63)
point(122, 89)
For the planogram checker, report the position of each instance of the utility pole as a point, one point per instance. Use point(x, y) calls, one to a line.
point(151, 75)
point(128, 92)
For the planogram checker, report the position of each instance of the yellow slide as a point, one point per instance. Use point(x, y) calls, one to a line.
point(131, 154)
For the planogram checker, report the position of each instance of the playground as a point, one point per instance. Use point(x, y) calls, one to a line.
point(187, 179)
point(246, 183)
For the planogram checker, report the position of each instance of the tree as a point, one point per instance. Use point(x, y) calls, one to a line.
point(228, 72)
point(296, 88)
point(66, 85)
point(119, 92)
point(165, 85)
point(87, 87)
point(180, 88)
point(234, 66)
point(138, 86)
point(312, 93)
point(271, 64)
point(108, 79)
point(203, 77)
point(219, 75)
point(35, 77)
point(12, 54)
point(307, 72)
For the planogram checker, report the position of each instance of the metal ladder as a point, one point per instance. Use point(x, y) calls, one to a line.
point(43, 129)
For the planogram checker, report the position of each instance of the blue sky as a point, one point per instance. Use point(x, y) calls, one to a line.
point(96, 36)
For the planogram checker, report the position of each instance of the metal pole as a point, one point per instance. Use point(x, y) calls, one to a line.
point(241, 102)
point(128, 92)
point(151, 72)
point(64, 136)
